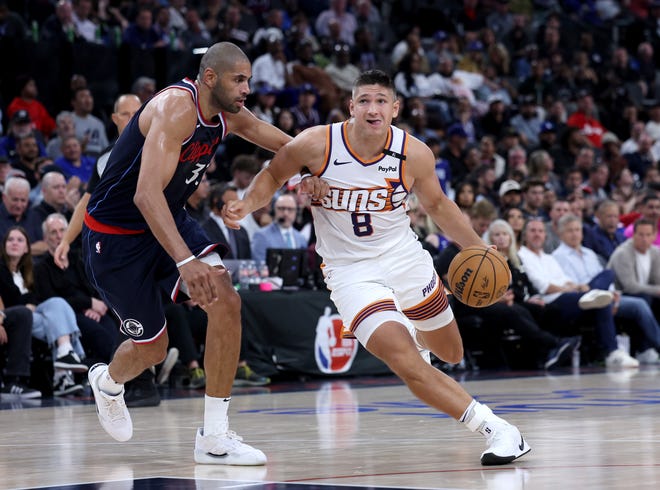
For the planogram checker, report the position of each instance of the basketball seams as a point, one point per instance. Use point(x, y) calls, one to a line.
point(495, 263)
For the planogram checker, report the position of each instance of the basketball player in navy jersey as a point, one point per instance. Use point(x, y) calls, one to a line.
point(382, 280)
point(138, 238)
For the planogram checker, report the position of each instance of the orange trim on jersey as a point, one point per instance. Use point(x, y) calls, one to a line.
point(432, 306)
point(344, 131)
point(328, 148)
point(382, 305)
point(99, 227)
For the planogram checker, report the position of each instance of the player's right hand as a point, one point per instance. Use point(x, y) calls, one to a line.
point(201, 281)
point(61, 255)
point(233, 212)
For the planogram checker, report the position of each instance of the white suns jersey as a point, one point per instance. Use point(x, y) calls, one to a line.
point(364, 214)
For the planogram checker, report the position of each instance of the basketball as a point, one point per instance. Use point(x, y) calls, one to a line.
point(478, 276)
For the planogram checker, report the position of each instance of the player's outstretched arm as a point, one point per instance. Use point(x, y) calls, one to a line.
point(249, 127)
point(420, 167)
point(306, 150)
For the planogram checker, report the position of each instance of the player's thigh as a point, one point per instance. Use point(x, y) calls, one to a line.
point(420, 292)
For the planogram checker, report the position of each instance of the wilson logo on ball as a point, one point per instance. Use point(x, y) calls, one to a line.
point(459, 287)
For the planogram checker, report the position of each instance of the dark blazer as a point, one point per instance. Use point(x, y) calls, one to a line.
point(216, 235)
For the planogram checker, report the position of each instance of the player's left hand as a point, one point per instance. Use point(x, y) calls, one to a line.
point(314, 186)
point(199, 277)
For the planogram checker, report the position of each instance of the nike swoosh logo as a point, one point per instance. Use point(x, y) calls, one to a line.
point(522, 444)
point(340, 163)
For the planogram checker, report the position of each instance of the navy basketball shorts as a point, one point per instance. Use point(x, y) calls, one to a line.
point(131, 273)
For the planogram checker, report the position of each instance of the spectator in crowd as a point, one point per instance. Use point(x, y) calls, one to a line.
point(569, 298)
point(582, 266)
point(584, 118)
point(510, 194)
point(27, 154)
point(650, 210)
point(144, 88)
point(65, 126)
point(532, 199)
point(55, 197)
point(20, 126)
point(342, 72)
point(236, 241)
point(15, 211)
point(53, 320)
point(643, 156)
point(265, 108)
point(27, 100)
point(304, 112)
point(597, 184)
point(281, 233)
point(559, 209)
point(455, 151)
point(74, 163)
point(141, 34)
point(89, 129)
point(607, 234)
point(525, 301)
point(528, 121)
point(490, 156)
point(338, 14)
point(82, 19)
point(465, 195)
point(16, 348)
point(636, 263)
point(98, 326)
point(270, 67)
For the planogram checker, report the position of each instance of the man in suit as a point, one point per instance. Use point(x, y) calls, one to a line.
point(279, 234)
point(236, 241)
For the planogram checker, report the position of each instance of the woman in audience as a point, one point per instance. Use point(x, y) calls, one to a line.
point(522, 297)
point(54, 321)
point(465, 196)
point(515, 218)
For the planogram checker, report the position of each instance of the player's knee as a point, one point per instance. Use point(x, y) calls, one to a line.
point(453, 354)
point(228, 304)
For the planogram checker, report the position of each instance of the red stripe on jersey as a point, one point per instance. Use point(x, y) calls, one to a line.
point(430, 307)
point(99, 227)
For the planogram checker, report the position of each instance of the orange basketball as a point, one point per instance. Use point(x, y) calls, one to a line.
point(478, 276)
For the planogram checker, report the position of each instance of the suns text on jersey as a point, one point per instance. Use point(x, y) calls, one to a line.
point(362, 200)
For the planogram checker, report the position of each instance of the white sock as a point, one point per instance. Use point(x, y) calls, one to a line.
point(477, 418)
point(64, 349)
point(215, 415)
point(109, 385)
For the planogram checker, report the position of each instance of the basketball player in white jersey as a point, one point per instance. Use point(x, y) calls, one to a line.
point(380, 276)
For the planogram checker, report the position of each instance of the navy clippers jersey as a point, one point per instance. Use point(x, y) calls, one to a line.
point(111, 202)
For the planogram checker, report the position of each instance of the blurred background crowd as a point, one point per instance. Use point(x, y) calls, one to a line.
point(538, 111)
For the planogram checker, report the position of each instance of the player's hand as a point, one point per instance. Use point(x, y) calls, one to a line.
point(315, 187)
point(201, 281)
point(233, 212)
point(61, 255)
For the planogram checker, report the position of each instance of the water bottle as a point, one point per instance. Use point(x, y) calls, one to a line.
point(575, 360)
point(253, 275)
point(243, 275)
point(264, 273)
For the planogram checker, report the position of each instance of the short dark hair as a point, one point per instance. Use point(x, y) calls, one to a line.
point(217, 193)
point(374, 77)
point(644, 221)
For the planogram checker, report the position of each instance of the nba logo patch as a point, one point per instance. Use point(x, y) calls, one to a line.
point(98, 247)
point(333, 353)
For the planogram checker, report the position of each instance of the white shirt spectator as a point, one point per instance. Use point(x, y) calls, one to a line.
point(268, 70)
point(542, 271)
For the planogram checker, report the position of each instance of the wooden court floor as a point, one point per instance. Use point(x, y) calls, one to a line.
point(587, 430)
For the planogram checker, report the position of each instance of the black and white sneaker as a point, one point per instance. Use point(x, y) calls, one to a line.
point(72, 362)
point(505, 443)
point(18, 391)
point(560, 355)
point(65, 385)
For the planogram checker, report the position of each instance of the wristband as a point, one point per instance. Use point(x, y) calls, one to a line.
point(185, 261)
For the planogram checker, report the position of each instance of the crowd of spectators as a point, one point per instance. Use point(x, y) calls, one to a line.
point(535, 110)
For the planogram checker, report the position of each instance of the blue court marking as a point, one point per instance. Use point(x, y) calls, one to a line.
point(502, 403)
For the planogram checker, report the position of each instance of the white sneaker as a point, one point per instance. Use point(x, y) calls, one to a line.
point(505, 443)
point(226, 449)
point(594, 299)
point(112, 411)
point(620, 358)
point(168, 364)
point(649, 356)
